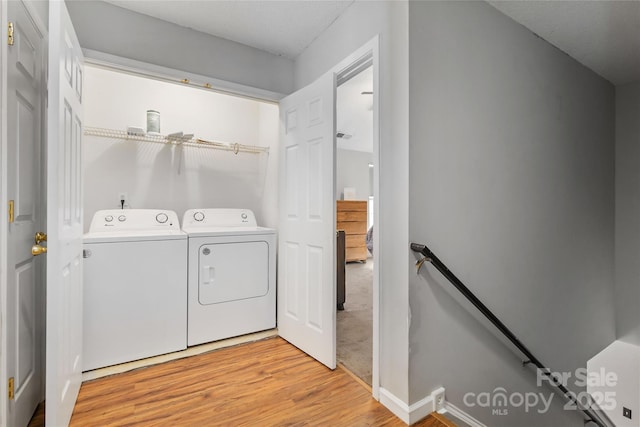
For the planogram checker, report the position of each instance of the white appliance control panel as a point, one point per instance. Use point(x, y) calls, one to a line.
point(134, 219)
point(206, 218)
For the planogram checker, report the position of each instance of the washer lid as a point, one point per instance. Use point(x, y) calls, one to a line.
point(228, 231)
point(132, 236)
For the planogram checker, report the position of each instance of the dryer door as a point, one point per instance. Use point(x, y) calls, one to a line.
point(232, 271)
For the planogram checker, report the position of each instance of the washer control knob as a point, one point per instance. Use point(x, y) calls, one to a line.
point(122, 218)
point(162, 218)
point(244, 215)
point(198, 216)
point(108, 218)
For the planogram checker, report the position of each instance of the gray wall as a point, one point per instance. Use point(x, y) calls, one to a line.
point(628, 213)
point(107, 28)
point(512, 185)
point(360, 23)
point(352, 170)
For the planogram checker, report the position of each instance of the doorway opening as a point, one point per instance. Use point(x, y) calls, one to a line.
point(354, 216)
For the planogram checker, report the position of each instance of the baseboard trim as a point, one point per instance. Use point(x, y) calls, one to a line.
point(415, 412)
point(450, 408)
point(435, 402)
point(394, 404)
point(190, 351)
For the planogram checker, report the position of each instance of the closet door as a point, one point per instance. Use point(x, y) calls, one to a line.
point(306, 257)
point(64, 218)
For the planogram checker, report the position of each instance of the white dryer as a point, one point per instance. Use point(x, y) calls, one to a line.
point(232, 274)
point(135, 293)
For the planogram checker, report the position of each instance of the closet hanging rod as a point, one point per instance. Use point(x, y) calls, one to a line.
point(164, 139)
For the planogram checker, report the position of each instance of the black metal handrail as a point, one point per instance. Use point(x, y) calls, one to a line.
point(595, 415)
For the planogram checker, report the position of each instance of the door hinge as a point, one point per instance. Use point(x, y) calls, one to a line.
point(11, 390)
point(11, 216)
point(10, 35)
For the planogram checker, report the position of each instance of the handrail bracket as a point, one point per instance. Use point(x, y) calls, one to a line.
point(420, 262)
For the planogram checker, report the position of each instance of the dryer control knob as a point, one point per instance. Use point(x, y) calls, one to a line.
point(244, 215)
point(198, 216)
point(108, 218)
point(122, 218)
point(162, 218)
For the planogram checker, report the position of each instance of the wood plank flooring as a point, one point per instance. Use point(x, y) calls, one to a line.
point(265, 383)
point(38, 418)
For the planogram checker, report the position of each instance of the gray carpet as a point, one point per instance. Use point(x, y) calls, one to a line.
point(355, 323)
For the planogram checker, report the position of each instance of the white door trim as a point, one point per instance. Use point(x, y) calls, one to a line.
point(372, 49)
point(4, 219)
point(172, 75)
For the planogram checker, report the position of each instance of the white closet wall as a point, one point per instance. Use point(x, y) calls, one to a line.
point(171, 177)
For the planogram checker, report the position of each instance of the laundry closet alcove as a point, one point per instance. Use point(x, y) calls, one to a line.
point(176, 175)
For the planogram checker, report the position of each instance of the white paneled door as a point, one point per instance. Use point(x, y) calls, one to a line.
point(24, 189)
point(64, 218)
point(306, 258)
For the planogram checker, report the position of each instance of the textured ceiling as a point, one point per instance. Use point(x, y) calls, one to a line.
point(602, 35)
point(354, 112)
point(284, 28)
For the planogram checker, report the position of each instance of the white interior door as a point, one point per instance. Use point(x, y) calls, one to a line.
point(306, 258)
point(64, 218)
point(25, 272)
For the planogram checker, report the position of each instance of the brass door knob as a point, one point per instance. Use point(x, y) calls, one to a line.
point(38, 250)
point(40, 237)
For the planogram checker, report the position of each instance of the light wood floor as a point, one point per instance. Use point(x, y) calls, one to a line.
point(266, 383)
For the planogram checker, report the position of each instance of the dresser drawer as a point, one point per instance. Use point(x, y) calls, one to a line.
point(356, 240)
point(356, 254)
point(352, 227)
point(351, 205)
point(351, 216)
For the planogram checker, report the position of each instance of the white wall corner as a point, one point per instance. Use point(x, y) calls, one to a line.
point(460, 414)
point(417, 411)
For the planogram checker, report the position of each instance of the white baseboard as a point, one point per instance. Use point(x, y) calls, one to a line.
point(460, 414)
point(394, 404)
point(415, 412)
point(435, 402)
point(190, 351)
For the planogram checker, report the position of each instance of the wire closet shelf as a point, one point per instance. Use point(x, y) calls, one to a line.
point(188, 141)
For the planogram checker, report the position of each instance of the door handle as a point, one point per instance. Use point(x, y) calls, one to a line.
point(38, 250)
point(208, 275)
point(40, 237)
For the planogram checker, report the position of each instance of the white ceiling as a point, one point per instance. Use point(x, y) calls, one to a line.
point(603, 35)
point(283, 28)
point(354, 112)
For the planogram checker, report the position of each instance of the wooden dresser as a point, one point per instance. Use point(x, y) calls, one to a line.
point(351, 216)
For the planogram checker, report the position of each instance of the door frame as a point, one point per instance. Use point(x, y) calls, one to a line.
point(4, 219)
point(358, 60)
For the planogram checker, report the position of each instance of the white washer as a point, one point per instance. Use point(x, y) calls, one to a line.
point(135, 293)
point(232, 274)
